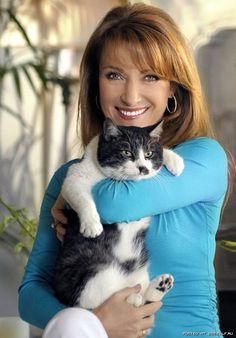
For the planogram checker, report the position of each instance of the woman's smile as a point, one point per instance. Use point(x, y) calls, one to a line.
point(131, 113)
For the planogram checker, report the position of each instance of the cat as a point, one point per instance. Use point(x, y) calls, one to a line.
point(97, 260)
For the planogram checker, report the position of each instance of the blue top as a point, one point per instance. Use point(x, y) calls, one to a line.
point(181, 238)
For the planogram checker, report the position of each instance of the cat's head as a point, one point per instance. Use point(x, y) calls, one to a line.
point(129, 153)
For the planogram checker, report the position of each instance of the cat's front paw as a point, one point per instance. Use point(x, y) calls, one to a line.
point(135, 299)
point(159, 287)
point(173, 162)
point(91, 226)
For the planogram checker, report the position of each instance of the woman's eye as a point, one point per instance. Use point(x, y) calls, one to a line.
point(114, 76)
point(126, 153)
point(148, 154)
point(151, 77)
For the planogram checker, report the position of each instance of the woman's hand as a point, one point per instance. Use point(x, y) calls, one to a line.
point(123, 320)
point(59, 218)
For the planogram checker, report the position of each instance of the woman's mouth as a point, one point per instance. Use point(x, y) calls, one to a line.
point(129, 114)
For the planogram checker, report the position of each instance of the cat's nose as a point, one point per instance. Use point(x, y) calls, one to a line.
point(143, 170)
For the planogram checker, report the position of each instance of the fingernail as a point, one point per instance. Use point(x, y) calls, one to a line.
point(138, 286)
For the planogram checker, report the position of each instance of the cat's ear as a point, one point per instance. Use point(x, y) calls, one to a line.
point(156, 132)
point(110, 129)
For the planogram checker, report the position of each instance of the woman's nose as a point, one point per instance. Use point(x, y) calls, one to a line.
point(131, 94)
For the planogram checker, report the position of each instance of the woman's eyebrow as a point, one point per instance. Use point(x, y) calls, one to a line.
point(111, 67)
point(149, 70)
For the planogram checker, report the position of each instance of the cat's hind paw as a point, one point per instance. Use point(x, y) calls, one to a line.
point(159, 287)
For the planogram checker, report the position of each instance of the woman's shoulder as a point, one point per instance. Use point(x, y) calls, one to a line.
point(61, 172)
point(200, 141)
point(201, 145)
point(204, 151)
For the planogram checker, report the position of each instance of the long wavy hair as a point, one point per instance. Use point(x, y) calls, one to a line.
point(155, 42)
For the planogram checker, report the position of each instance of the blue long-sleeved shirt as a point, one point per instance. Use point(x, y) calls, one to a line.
point(180, 240)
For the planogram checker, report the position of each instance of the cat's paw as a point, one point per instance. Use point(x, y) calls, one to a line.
point(135, 299)
point(159, 287)
point(91, 226)
point(173, 162)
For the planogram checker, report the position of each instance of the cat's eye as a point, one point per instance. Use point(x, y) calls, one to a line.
point(148, 154)
point(127, 153)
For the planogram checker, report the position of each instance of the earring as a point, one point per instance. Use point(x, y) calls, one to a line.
point(175, 105)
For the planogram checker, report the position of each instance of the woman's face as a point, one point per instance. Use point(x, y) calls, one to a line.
point(128, 95)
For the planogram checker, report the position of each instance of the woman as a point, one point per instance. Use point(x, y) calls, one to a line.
point(137, 70)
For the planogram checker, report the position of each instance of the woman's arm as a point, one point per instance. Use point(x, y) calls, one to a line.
point(37, 302)
point(204, 179)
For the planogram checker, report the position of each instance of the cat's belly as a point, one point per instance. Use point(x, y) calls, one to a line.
point(91, 270)
point(131, 241)
point(107, 282)
point(129, 268)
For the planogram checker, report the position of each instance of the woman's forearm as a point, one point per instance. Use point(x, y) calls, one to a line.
point(37, 304)
point(203, 179)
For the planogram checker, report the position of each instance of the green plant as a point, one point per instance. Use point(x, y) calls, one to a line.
point(17, 229)
point(11, 61)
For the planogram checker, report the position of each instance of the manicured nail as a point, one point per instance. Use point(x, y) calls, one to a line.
point(138, 286)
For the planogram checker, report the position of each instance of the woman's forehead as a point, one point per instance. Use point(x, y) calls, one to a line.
point(125, 55)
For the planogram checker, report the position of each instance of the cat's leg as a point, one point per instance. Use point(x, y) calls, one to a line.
point(77, 193)
point(76, 190)
point(158, 288)
point(173, 162)
point(141, 277)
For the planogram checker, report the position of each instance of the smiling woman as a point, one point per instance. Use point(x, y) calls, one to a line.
point(137, 70)
point(128, 95)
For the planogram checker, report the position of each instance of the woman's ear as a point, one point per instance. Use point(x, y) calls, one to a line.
point(173, 87)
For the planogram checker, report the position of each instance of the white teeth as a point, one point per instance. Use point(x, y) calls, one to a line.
point(133, 113)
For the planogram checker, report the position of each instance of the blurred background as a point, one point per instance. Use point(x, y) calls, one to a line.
point(41, 44)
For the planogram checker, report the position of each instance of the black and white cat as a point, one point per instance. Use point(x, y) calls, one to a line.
point(97, 260)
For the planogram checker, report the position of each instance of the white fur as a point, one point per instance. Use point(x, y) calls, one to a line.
point(173, 162)
point(95, 293)
point(76, 190)
point(125, 249)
